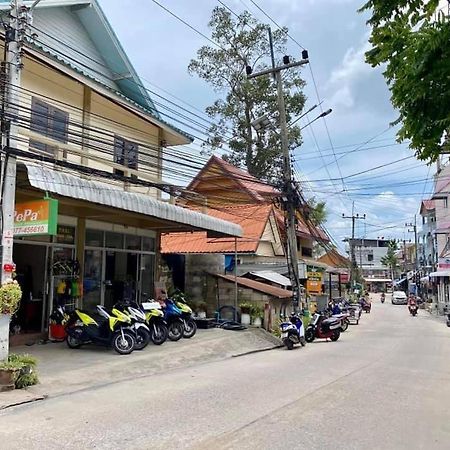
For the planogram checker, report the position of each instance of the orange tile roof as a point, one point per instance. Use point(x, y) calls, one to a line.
point(252, 219)
point(256, 188)
point(257, 286)
point(429, 205)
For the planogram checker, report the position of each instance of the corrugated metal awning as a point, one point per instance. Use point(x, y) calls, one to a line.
point(73, 186)
point(272, 276)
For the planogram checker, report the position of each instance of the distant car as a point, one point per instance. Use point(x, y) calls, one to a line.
point(399, 298)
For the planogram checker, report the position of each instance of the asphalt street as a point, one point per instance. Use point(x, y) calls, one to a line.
point(384, 384)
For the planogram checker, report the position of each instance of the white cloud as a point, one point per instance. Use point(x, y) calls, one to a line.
point(342, 79)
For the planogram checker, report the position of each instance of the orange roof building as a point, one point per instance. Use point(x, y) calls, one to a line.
point(260, 233)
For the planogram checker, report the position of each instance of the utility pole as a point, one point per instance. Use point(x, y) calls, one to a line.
point(15, 34)
point(289, 190)
point(416, 251)
point(352, 243)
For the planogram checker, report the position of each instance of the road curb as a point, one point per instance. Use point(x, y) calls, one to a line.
point(250, 352)
point(21, 401)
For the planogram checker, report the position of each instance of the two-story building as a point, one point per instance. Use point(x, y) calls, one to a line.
point(427, 251)
point(89, 170)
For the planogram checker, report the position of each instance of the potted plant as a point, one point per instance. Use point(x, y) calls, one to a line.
point(246, 308)
point(257, 314)
point(10, 295)
point(18, 372)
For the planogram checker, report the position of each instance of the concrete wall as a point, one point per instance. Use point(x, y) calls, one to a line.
point(198, 285)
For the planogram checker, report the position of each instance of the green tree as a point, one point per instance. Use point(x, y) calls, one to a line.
point(410, 38)
point(317, 211)
point(244, 41)
point(391, 260)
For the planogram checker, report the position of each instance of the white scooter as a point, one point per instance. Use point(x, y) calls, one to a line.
point(293, 332)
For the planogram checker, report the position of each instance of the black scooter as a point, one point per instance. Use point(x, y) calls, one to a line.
point(105, 329)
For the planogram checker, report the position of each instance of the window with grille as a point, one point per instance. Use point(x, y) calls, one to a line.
point(126, 154)
point(50, 122)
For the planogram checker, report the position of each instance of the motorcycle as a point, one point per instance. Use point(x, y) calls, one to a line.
point(448, 320)
point(109, 330)
point(344, 319)
point(413, 309)
point(159, 331)
point(138, 323)
point(353, 311)
point(323, 328)
point(383, 298)
point(172, 315)
point(366, 305)
point(292, 332)
point(190, 326)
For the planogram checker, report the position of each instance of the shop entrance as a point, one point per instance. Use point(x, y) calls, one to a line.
point(111, 276)
point(31, 268)
point(120, 277)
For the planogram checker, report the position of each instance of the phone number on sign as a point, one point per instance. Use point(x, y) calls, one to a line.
point(32, 229)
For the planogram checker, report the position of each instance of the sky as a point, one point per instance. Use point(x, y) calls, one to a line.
point(359, 137)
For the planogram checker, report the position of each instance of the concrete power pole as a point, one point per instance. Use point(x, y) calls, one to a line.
point(14, 38)
point(352, 245)
point(416, 251)
point(289, 189)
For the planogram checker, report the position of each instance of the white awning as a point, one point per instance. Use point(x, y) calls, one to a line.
point(274, 277)
point(378, 280)
point(440, 273)
point(73, 186)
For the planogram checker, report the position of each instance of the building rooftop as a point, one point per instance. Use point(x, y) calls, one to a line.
point(251, 218)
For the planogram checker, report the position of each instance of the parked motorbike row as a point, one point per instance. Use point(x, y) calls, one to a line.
point(130, 326)
point(323, 325)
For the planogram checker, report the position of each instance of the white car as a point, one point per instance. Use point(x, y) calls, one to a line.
point(399, 298)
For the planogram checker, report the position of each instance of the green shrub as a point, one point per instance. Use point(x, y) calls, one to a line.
point(26, 369)
point(256, 311)
point(246, 307)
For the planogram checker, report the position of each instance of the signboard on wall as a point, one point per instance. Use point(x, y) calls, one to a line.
point(39, 217)
point(314, 282)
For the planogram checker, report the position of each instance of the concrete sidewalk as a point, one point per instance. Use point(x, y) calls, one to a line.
point(63, 371)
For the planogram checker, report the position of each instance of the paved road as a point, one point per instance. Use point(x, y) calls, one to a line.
point(384, 384)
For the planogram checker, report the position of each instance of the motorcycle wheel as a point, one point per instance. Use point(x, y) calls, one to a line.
point(335, 335)
point(302, 341)
point(289, 344)
point(309, 335)
point(142, 338)
point(190, 328)
point(73, 342)
point(448, 323)
point(125, 345)
point(344, 326)
point(158, 333)
point(176, 330)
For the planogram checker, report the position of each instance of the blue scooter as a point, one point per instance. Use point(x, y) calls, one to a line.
point(173, 317)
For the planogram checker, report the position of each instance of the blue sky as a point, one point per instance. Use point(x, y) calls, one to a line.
point(160, 47)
